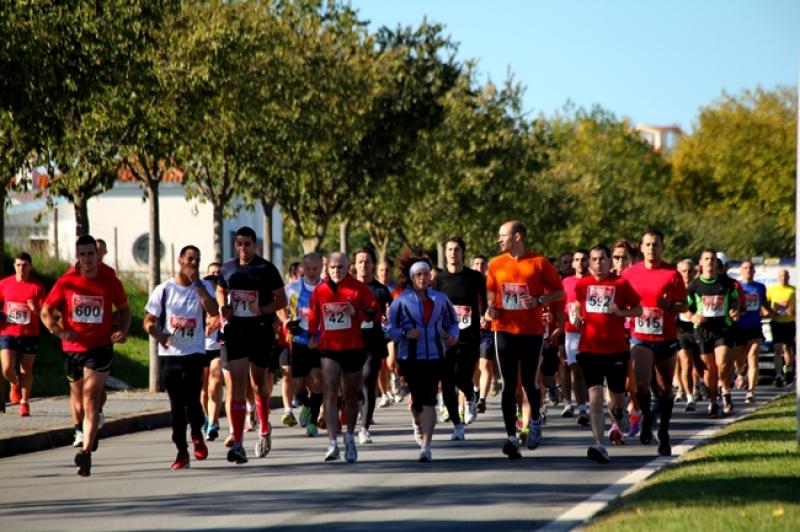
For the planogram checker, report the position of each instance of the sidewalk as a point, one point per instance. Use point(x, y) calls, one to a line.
point(50, 424)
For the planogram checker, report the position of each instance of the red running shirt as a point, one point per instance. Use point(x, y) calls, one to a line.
point(604, 332)
point(20, 319)
point(86, 306)
point(663, 281)
point(329, 314)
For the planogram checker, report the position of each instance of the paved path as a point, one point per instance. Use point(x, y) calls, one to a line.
point(470, 485)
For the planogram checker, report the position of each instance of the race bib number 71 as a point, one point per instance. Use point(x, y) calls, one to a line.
point(240, 302)
point(512, 292)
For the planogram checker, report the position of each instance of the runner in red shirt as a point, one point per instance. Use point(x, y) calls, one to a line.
point(602, 302)
point(21, 296)
point(84, 297)
point(654, 337)
point(338, 306)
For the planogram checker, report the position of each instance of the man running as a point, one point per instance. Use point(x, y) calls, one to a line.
point(306, 365)
point(374, 339)
point(781, 299)
point(249, 292)
point(688, 360)
point(654, 337)
point(466, 290)
point(518, 283)
point(175, 317)
point(748, 335)
point(574, 383)
point(84, 298)
point(713, 307)
point(486, 371)
point(338, 307)
point(602, 302)
point(21, 297)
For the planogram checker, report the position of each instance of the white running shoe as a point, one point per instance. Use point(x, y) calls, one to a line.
point(78, 439)
point(472, 412)
point(333, 453)
point(364, 437)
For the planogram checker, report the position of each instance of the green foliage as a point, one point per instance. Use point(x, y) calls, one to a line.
point(737, 171)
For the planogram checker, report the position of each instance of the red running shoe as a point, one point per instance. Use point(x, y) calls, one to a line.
point(200, 448)
point(181, 461)
point(24, 410)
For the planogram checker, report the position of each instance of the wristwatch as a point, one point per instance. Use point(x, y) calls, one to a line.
point(539, 301)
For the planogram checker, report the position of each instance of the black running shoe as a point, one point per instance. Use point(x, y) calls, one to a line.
point(84, 463)
point(511, 449)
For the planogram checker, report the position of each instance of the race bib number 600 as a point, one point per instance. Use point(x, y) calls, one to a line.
point(512, 293)
point(87, 309)
point(599, 298)
point(337, 316)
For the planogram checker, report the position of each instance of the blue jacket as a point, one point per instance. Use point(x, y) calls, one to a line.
point(406, 314)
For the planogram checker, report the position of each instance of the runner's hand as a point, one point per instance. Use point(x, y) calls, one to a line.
point(450, 341)
point(118, 337)
point(226, 311)
point(413, 334)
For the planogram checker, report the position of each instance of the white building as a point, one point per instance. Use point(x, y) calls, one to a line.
point(120, 217)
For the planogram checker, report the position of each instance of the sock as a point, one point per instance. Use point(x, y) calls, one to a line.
point(78, 427)
point(238, 413)
point(314, 404)
point(616, 413)
point(250, 406)
point(263, 415)
point(689, 398)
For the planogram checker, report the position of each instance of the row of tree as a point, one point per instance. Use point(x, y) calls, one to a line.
point(295, 102)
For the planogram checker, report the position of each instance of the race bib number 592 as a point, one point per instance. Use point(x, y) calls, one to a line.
point(599, 298)
point(87, 309)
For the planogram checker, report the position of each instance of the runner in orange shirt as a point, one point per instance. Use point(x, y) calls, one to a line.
point(518, 283)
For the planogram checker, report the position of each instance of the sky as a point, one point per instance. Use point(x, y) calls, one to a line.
point(653, 62)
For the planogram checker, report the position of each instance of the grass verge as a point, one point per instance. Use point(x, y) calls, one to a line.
point(745, 478)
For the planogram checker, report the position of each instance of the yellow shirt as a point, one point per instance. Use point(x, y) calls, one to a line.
point(780, 298)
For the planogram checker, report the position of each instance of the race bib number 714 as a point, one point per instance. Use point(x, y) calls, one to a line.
point(512, 293)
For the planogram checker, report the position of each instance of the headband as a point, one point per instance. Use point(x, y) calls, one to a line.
point(417, 267)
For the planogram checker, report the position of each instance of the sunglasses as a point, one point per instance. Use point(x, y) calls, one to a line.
point(619, 257)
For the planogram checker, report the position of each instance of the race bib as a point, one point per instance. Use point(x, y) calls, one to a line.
point(511, 295)
point(782, 308)
point(182, 329)
point(87, 309)
point(367, 324)
point(18, 313)
point(337, 316)
point(751, 301)
point(713, 306)
point(650, 322)
point(240, 302)
point(303, 317)
point(599, 298)
point(464, 315)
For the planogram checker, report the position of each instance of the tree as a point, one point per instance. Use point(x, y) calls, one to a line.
point(737, 168)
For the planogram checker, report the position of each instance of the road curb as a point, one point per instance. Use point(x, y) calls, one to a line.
point(63, 436)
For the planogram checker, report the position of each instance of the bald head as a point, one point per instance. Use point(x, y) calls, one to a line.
point(338, 264)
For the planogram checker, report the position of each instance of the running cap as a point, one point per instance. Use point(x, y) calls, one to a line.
point(418, 267)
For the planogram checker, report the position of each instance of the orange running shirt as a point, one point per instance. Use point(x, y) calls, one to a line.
point(508, 278)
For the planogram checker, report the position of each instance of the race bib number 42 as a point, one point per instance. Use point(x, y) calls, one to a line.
point(511, 295)
point(182, 328)
point(18, 313)
point(464, 315)
point(337, 316)
point(240, 302)
point(713, 307)
point(599, 298)
point(651, 321)
point(87, 309)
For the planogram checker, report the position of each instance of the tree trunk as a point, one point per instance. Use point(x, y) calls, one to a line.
point(218, 231)
point(344, 241)
point(440, 254)
point(154, 261)
point(311, 244)
point(267, 207)
point(80, 202)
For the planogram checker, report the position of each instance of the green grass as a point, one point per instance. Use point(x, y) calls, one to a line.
point(130, 359)
point(746, 478)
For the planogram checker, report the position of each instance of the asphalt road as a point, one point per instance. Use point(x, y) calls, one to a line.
point(470, 485)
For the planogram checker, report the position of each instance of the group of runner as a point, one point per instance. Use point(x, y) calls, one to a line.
point(596, 319)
